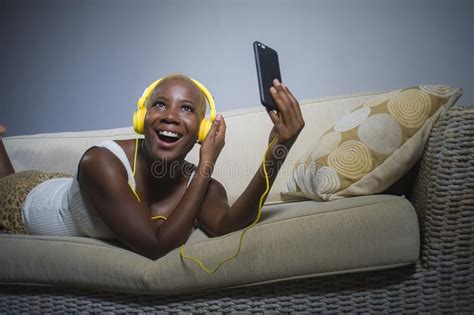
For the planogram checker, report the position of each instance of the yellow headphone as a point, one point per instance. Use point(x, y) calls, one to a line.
point(204, 126)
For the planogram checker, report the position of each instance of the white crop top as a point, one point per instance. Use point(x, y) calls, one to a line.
point(56, 206)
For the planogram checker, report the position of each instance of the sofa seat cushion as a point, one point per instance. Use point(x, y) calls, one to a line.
point(293, 240)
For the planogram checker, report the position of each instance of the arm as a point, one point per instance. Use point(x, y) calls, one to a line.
point(216, 216)
point(130, 220)
point(176, 230)
point(103, 183)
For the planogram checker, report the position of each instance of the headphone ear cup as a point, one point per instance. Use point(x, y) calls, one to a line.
point(204, 128)
point(139, 120)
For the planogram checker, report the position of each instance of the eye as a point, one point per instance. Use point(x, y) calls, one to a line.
point(187, 108)
point(159, 104)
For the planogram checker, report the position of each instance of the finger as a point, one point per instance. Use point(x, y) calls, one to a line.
point(283, 102)
point(220, 134)
point(212, 131)
point(277, 85)
point(276, 90)
point(275, 118)
point(282, 93)
point(293, 98)
point(296, 118)
point(294, 102)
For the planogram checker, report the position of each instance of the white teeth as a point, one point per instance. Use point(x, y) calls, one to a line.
point(169, 134)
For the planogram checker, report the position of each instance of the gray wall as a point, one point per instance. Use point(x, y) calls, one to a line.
point(81, 65)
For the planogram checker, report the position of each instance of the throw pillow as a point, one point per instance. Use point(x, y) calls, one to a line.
point(370, 148)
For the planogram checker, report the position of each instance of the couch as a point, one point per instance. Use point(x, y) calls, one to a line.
point(409, 249)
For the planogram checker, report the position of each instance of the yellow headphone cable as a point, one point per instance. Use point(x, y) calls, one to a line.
point(196, 260)
point(138, 122)
point(153, 218)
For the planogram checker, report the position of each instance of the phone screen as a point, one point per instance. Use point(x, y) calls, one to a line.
point(268, 69)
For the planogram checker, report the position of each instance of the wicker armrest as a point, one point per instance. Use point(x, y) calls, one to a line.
point(443, 195)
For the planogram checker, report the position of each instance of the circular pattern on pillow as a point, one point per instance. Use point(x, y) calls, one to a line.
point(377, 100)
point(352, 120)
point(299, 176)
point(326, 181)
point(381, 133)
point(308, 178)
point(290, 184)
point(351, 159)
point(439, 90)
point(386, 125)
point(410, 108)
point(328, 143)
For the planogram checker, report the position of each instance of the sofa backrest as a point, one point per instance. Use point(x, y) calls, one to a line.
point(246, 139)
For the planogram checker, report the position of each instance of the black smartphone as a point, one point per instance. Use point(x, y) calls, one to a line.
point(268, 69)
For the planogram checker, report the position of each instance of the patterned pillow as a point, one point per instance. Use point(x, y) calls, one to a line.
point(370, 148)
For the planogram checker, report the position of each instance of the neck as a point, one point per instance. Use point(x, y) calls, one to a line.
point(161, 170)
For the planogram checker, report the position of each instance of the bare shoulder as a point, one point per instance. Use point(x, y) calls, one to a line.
point(104, 186)
point(216, 189)
point(97, 162)
point(128, 146)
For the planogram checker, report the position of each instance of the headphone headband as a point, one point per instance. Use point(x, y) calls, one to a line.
point(210, 100)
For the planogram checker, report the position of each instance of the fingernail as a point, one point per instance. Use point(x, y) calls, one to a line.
point(219, 117)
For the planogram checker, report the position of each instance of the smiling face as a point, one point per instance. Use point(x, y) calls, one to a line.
point(174, 112)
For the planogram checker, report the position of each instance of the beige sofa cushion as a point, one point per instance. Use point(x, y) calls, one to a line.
point(293, 240)
point(373, 146)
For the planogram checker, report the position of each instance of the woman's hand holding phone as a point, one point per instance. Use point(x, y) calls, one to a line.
point(282, 107)
point(288, 121)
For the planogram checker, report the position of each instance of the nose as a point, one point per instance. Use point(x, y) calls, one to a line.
point(170, 116)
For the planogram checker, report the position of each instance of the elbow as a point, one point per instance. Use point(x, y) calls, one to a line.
point(216, 234)
point(152, 256)
point(211, 233)
point(152, 253)
point(155, 249)
point(162, 247)
point(220, 230)
point(225, 227)
point(215, 229)
point(157, 254)
point(163, 243)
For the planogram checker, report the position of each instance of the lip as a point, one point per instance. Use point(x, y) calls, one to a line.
point(169, 129)
point(167, 145)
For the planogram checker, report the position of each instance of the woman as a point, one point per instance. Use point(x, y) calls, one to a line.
point(99, 202)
